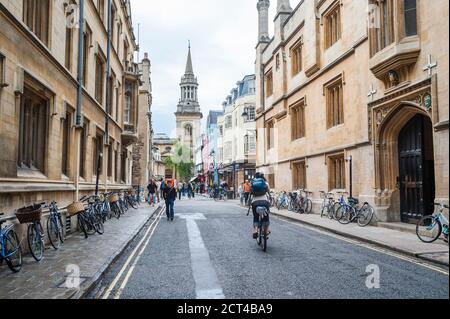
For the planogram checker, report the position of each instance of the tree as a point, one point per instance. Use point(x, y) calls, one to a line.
point(180, 161)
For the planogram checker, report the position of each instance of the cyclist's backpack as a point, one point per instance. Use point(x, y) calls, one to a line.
point(259, 187)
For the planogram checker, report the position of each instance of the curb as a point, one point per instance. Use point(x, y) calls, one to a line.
point(98, 276)
point(369, 241)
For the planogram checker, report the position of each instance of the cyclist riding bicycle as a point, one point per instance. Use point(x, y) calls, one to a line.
point(260, 197)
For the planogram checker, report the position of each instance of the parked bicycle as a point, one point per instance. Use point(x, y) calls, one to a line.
point(350, 212)
point(10, 247)
point(88, 221)
point(35, 232)
point(304, 204)
point(328, 205)
point(429, 228)
point(282, 201)
point(55, 226)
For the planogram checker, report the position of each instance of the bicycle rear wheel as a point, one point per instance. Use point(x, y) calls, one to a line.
point(36, 240)
point(53, 231)
point(13, 251)
point(428, 229)
point(308, 208)
point(365, 215)
point(345, 214)
point(82, 225)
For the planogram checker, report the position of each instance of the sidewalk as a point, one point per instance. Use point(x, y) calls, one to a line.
point(47, 279)
point(402, 242)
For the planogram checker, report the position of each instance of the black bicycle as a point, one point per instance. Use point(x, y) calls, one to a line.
point(263, 235)
point(10, 247)
point(55, 226)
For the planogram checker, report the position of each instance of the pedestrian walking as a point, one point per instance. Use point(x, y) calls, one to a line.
point(179, 190)
point(161, 189)
point(190, 191)
point(158, 188)
point(170, 196)
point(247, 188)
point(152, 188)
point(241, 193)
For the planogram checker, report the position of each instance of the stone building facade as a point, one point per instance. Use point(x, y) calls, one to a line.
point(237, 130)
point(163, 147)
point(362, 80)
point(142, 149)
point(51, 138)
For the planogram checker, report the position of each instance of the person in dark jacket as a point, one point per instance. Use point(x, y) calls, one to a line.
point(152, 189)
point(170, 196)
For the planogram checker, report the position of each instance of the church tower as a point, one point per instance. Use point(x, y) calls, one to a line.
point(188, 113)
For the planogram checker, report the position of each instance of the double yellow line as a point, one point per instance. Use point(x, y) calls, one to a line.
point(141, 248)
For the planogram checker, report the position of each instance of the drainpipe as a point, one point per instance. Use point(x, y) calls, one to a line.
point(79, 92)
point(108, 86)
point(80, 63)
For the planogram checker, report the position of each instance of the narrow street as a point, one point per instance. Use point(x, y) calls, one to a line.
point(207, 252)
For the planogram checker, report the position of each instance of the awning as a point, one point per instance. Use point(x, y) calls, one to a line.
point(196, 178)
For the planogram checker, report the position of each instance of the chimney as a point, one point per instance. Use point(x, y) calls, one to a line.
point(263, 21)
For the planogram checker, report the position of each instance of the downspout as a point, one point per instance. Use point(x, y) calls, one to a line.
point(79, 92)
point(80, 63)
point(108, 86)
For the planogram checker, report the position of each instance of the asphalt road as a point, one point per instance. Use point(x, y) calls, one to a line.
point(207, 252)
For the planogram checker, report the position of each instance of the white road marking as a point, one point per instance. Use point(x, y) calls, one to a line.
point(119, 275)
point(207, 284)
point(130, 271)
point(369, 246)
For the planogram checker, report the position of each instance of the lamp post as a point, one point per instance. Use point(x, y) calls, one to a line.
point(350, 161)
point(99, 161)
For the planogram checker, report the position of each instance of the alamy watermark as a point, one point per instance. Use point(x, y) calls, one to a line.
point(73, 277)
point(72, 11)
point(373, 279)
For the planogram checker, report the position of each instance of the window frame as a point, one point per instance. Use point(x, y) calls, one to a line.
point(270, 136)
point(297, 58)
point(100, 76)
point(336, 182)
point(269, 83)
point(43, 32)
point(32, 136)
point(299, 175)
point(335, 114)
point(298, 127)
point(66, 138)
point(332, 24)
point(2, 71)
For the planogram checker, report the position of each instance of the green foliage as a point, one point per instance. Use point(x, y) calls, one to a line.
point(180, 162)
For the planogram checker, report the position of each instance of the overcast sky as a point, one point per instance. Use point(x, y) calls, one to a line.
point(223, 37)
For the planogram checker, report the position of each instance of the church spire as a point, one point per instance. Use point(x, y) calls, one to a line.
point(189, 68)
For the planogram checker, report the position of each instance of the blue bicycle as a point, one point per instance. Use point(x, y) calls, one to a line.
point(430, 228)
point(10, 248)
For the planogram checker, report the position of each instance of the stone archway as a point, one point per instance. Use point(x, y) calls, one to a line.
point(387, 158)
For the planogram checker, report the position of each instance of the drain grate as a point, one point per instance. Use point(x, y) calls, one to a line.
point(62, 283)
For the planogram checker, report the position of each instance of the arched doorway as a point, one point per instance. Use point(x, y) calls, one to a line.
point(416, 169)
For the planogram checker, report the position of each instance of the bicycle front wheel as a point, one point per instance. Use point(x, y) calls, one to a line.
point(345, 214)
point(365, 215)
point(36, 241)
point(13, 251)
point(53, 232)
point(428, 229)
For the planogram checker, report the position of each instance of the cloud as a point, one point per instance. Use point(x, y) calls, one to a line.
point(223, 36)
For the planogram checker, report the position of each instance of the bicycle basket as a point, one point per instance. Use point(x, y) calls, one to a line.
point(75, 209)
point(29, 214)
point(113, 198)
point(353, 201)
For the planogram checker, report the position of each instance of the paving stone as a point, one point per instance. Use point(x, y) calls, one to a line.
point(41, 280)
